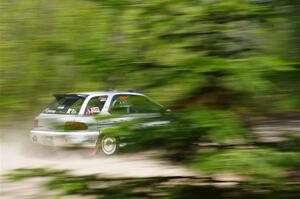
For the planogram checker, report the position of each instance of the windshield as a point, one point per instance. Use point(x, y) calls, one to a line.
point(65, 105)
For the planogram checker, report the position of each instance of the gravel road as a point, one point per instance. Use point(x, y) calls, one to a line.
point(17, 151)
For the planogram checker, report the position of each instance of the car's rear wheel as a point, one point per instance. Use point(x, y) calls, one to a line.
point(109, 145)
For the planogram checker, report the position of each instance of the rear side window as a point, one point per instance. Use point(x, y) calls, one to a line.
point(125, 104)
point(95, 105)
point(65, 105)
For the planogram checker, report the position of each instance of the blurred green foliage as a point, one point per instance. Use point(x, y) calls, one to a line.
point(213, 141)
point(219, 60)
point(183, 132)
point(233, 54)
point(64, 184)
point(264, 166)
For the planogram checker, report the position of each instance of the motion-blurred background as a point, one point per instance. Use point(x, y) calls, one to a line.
point(227, 68)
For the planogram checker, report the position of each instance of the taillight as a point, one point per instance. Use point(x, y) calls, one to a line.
point(75, 126)
point(35, 123)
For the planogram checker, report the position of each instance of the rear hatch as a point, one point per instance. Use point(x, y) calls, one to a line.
point(65, 108)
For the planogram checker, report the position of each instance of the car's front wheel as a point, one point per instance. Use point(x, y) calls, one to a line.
point(109, 144)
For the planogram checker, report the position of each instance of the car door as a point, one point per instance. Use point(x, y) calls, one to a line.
point(126, 107)
point(91, 109)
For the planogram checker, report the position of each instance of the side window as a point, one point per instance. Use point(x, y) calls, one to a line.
point(74, 109)
point(95, 105)
point(120, 104)
point(133, 104)
point(142, 104)
point(65, 105)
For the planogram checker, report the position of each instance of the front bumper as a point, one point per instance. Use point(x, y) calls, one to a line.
point(65, 139)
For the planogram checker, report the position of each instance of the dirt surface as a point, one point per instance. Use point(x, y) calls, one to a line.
point(80, 162)
point(17, 151)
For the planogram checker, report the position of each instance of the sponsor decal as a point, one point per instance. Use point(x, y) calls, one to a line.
point(61, 107)
point(95, 109)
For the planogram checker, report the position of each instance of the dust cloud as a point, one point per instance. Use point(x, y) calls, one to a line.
point(17, 151)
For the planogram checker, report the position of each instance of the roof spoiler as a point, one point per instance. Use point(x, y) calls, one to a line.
point(60, 96)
